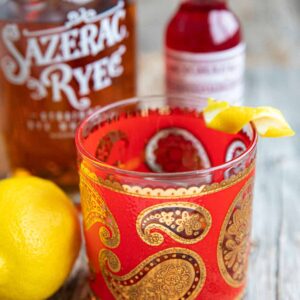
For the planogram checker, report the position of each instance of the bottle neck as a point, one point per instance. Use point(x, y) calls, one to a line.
point(31, 10)
point(31, 5)
point(205, 2)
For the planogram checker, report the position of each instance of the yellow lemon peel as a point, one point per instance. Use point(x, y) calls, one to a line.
point(268, 121)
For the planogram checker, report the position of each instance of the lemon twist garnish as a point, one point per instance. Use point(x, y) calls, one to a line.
point(268, 121)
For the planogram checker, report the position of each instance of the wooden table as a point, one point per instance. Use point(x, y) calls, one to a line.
point(273, 77)
point(275, 256)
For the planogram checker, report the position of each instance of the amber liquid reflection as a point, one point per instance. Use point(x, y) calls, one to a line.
point(39, 133)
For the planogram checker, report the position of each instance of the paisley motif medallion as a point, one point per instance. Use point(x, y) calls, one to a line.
point(175, 150)
point(233, 244)
point(107, 143)
point(170, 274)
point(185, 222)
point(234, 150)
point(169, 193)
point(95, 210)
point(241, 296)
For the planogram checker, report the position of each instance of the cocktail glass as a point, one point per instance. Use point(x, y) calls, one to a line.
point(166, 202)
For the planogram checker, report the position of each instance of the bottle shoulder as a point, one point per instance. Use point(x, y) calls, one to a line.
point(203, 30)
point(43, 12)
point(49, 11)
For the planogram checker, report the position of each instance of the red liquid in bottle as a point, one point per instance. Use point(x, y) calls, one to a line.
point(205, 51)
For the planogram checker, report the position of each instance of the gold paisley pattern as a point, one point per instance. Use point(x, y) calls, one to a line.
point(95, 210)
point(186, 223)
point(241, 296)
point(170, 274)
point(107, 143)
point(170, 193)
point(233, 242)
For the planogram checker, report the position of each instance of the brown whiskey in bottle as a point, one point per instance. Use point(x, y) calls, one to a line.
point(59, 61)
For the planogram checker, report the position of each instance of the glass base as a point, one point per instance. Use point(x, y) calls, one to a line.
point(91, 296)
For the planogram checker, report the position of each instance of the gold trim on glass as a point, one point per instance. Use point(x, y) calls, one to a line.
point(170, 193)
point(233, 244)
point(95, 210)
point(185, 222)
point(172, 274)
point(241, 296)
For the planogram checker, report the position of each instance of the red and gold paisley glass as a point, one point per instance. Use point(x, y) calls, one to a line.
point(166, 202)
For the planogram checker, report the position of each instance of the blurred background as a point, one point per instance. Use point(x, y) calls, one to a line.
point(271, 28)
point(272, 34)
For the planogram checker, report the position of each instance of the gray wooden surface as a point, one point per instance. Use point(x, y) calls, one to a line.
point(275, 258)
point(272, 29)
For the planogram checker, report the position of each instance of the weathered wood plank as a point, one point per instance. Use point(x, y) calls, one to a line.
point(266, 278)
point(271, 86)
point(289, 247)
point(263, 264)
point(76, 288)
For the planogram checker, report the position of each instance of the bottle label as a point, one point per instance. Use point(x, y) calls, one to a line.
point(60, 70)
point(217, 74)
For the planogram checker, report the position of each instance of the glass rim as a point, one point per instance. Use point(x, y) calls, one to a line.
point(165, 175)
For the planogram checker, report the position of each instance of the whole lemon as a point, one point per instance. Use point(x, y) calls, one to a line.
point(39, 238)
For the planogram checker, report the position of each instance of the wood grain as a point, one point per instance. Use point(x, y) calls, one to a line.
point(263, 266)
point(274, 268)
point(289, 239)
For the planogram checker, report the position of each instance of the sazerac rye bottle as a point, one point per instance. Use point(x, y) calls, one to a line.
point(60, 60)
point(205, 52)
